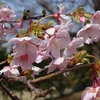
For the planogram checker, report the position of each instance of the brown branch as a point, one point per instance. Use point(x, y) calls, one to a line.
point(16, 21)
point(40, 93)
point(10, 93)
point(60, 72)
point(45, 4)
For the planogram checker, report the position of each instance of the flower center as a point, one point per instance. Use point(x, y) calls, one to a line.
point(56, 42)
point(24, 57)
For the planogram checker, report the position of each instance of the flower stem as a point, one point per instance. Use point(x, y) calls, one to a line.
point(92, 57)
point(45, 17)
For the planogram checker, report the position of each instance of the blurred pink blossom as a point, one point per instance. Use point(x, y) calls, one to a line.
point(8, 70)
point(6, 14)
point(90, 32)
point(24, 52)
point(62, 18)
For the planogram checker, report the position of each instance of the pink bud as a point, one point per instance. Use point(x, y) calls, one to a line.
point(20, 24)
point(82, 18)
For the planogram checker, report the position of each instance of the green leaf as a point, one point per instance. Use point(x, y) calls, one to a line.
point(47, 25)
point(87, 15)
point(22, 33)
point(9, 59)
point(77, 19)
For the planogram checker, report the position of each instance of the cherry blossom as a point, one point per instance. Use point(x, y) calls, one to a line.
point(55, 45)
point(58, 40)
point(42, 55)
point(90, 32)
point(10, 31)
point(96, 18)
point(73, 45)
point(8, 70)
point(24, 52)
point(62, 18)
point(91, 93)
point(59, 63)
point(6, 14)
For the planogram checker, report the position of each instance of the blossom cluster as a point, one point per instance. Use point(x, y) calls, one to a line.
point(56, 43)
point(28, 49)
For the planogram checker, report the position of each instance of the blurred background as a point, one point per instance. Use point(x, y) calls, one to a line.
point(67, 88)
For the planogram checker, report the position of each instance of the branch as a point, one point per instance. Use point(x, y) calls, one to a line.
point(60, 72)
point(16, 21)
point(36, 93)
point(40, 93)
point(46, 5)
point(3, 62)
point(35, 17)
point(10, 93)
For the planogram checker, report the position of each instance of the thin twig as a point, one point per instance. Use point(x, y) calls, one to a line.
point(9, 92)
point(34, 17)
point(3, 62)
point(40, 93)
point(60, 72)
point(16, 21)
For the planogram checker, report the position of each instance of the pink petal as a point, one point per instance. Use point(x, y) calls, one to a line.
point(51, 67)
point(17, 40)
point(82, 19)
point(55, 51)
point(14, 71)
point(36, 70)
point(59, 61)
point(5, 69)
point(50, 31)
point(96, 18)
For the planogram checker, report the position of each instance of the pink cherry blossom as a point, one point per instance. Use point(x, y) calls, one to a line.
point(59, 39)
point(90, 31)
point(24, 52)
point(91, 93)
point(8, 70)
point(42, 55)
point(62, 18)
point(10, 31)
point(96, 18)
point(23, 62)
point(72, 47)
point(59, 63)
point(6, 14)
point(4, 31)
